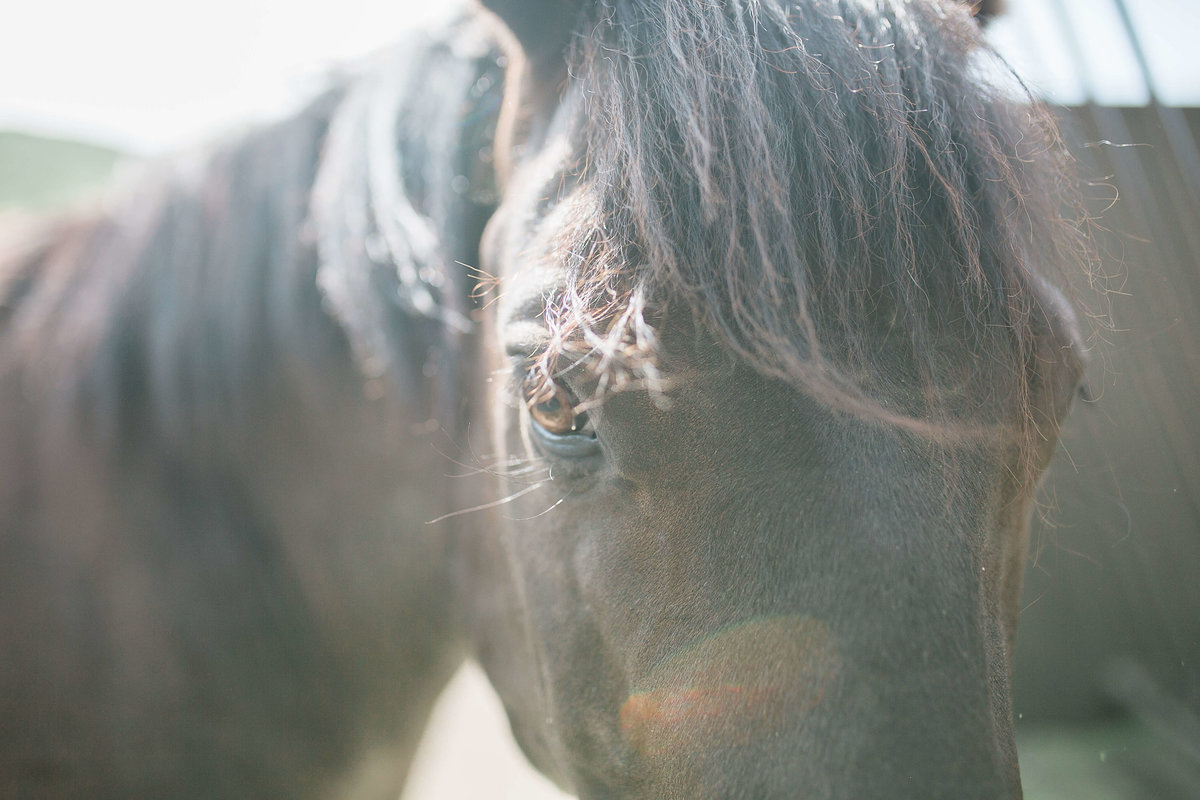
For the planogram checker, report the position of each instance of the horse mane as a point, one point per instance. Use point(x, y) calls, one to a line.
point(318, 250)
point(404, 190)
point(164, 314)
point(814, 179)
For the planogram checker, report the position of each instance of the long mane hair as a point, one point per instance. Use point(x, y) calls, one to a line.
point(323, 250)
point(825, 184)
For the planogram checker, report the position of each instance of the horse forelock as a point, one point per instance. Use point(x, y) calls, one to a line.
point(808, 178)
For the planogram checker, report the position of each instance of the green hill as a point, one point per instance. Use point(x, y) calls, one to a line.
point(38, 172)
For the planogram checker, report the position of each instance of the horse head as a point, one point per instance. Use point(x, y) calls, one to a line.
point(776, 364)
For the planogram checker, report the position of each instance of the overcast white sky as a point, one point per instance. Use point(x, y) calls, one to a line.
point(156, 74)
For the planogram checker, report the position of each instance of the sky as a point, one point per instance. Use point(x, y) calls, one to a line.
point(151, 76)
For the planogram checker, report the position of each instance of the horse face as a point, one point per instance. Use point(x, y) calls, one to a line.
point(707, 582)
point(727, 590)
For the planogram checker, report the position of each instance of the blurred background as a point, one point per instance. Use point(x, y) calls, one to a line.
point(1108, 664)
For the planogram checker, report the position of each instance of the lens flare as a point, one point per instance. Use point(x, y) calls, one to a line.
point(741, 683)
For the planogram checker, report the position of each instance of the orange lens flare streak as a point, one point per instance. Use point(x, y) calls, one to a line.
point(740, 683)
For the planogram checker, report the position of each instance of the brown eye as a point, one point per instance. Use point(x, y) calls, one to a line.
point(552, 408)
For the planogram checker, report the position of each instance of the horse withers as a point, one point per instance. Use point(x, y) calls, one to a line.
point(690, 365)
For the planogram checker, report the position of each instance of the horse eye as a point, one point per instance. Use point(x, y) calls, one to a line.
point(552, 408)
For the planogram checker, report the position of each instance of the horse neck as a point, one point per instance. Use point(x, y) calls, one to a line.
point(186, 373)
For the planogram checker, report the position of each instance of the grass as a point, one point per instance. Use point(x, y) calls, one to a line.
point(40, 173)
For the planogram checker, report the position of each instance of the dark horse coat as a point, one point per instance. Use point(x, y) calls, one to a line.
point(691, 365)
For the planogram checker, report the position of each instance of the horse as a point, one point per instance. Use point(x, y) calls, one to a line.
point(691, 366)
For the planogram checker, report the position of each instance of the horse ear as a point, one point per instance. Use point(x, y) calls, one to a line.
point(541, 29)
point(535, 35)
point(987, 10)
